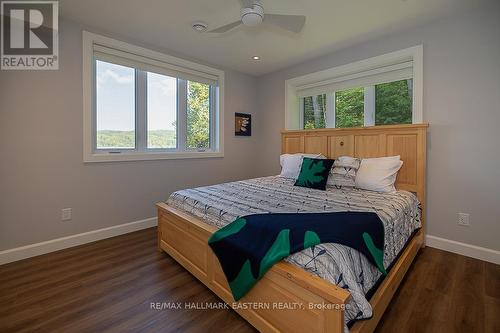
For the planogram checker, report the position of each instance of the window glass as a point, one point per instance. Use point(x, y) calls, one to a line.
point(393, 103)
point(198, 116)
point(315, 111)
point(161, 111)
point(349, 107)
point(115, 106)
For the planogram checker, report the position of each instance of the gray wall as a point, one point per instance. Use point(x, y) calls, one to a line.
point(41, 168)
point(461, 103)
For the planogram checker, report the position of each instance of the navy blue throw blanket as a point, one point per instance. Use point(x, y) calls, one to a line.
point(248, 247)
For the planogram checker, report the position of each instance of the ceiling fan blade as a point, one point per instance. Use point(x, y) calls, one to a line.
point(292, 23)
point(226, 27)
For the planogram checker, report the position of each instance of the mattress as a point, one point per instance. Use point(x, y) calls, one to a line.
point(399, 211)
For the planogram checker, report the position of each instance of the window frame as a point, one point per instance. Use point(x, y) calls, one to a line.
point(380, 65)
point(141, 151)
point(369, 106)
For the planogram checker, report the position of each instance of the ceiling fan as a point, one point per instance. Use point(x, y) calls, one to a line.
point(252, 14)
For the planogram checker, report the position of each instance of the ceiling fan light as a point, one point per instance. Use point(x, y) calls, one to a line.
point(256, 57)
point(253, 16)
point(251, 19)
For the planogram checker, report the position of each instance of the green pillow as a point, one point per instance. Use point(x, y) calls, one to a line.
point(314, 173)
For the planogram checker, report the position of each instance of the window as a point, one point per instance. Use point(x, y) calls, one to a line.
point(162, 111)
point(115, 106)
point(393, 102)
point(349, 107)
point(314, 111)
point(381, 104)
point(140, 104)
point(383, 90)
point(198, 116)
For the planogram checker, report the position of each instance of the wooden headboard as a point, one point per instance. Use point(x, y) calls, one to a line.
point(408, 141)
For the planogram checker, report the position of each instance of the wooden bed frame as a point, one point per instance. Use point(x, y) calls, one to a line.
point(287, 298)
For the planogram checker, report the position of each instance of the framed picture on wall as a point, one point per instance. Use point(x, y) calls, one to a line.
point(242, 124)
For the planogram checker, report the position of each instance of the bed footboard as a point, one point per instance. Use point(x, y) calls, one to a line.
point(286, 299)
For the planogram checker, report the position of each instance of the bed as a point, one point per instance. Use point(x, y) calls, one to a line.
point(328, 287)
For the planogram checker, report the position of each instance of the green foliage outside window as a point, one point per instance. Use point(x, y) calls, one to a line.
point(198, 116)
point(126, 139)
point(162, 139)
point(115, 139)
point(393, 103)
point(315, 111)
point(349, 107)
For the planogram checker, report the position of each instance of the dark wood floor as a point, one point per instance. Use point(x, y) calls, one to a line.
point(109, 286)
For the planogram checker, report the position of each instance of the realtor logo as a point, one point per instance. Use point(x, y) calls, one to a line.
point(29, 35)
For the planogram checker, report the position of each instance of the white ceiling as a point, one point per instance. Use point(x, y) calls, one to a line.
point(330, 25)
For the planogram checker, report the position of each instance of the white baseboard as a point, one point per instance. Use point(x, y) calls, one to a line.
point(464, 249)
point(37, 249)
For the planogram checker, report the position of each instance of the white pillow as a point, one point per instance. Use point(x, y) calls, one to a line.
point(291, 164)
point(378, 174)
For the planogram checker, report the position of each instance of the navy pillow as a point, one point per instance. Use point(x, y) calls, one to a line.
point(314, 173)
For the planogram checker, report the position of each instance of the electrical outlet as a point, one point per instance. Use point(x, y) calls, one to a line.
point(464, 219)
point(66, 214)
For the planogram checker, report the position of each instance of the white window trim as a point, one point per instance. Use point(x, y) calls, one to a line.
point(330, 110)
point(294, 114)
point(369, 106)
point(89, 155)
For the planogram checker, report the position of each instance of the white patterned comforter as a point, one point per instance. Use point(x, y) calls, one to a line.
point(221, 204)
